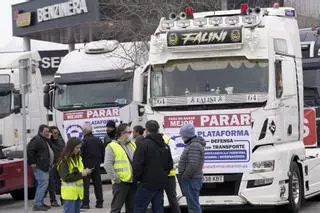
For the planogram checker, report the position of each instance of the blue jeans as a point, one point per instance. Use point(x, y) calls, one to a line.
point(71, 206)
point(191, 189)
point(144, 197)
point(42, 179)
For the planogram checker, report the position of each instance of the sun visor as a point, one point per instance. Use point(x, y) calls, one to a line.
point(83, 77)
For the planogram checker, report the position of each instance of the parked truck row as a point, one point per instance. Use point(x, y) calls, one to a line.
point(238, 76)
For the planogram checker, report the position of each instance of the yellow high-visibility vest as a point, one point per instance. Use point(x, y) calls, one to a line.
point(73, 190)
point(121, 164)
point(172, 172)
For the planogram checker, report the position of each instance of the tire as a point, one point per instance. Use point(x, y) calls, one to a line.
point(295, 190)
point(19, 194)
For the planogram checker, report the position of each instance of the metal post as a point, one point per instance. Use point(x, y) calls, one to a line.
point(24, 66)
point(224, 4)
point(25, 166)
point(26, 47)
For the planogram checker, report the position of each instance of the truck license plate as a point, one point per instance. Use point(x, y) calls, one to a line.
point(213, 179)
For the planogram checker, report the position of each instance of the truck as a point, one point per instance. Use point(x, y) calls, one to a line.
point(237, 76)
point(92, 86)
point(11, 162)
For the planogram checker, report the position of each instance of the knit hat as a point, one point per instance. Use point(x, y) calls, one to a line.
point(187, 131)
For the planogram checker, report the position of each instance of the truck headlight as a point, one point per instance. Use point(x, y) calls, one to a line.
point(263, 166)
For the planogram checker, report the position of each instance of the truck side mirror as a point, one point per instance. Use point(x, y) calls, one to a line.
point(140, 83)
point(47, 97)
point(17, 102)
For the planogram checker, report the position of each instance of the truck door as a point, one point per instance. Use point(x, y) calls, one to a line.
point(287, 94)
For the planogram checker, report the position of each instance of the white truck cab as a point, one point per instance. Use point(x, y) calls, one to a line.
point(237, 77)
point(10, 97)
point(92, 86)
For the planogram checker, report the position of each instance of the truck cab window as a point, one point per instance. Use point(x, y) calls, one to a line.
point(279, 82)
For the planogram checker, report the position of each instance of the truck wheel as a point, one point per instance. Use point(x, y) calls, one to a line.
point(19, 194)
point(295, 190)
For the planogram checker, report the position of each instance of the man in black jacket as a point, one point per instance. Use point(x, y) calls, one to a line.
point(40, 157)
point(92, 150)
point(152, 163)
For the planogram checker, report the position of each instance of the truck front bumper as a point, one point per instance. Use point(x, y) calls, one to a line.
point(226, 201)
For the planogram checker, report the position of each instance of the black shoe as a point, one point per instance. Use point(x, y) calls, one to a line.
point(85, 206)
point(39, 208)
point(99, 205)
point(45, 205)
point(55, 204)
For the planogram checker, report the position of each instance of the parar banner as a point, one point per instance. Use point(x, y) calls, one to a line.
point(227, 135)
point(75, 120)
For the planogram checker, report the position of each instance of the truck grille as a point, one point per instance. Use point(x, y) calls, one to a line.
point(230, 186)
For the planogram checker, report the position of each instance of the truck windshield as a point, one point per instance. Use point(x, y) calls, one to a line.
point(95, 94)
point(209, 76)
point(5, 104)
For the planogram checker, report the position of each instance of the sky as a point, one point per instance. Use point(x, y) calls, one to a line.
point(9, 43)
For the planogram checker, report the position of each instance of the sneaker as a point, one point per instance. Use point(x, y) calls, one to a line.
point(99, 205)
point(47, 206)
point(39, 208)
point(85, 206)
point(55, 204)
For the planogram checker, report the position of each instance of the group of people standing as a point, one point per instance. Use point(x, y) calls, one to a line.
point(66, 169)
point(141, 164)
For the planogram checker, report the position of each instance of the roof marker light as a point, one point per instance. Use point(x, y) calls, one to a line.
point(244, 8)
point(189, 12)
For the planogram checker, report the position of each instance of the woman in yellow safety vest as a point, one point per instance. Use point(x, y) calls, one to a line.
point(71, 171)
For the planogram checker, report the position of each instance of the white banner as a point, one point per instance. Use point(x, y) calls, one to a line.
point(228, 139)
point(74, 121)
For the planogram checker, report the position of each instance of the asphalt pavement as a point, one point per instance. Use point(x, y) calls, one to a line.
point(8, 205)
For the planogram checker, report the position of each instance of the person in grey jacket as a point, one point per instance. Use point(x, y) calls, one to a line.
point(190, 167)
point(118, 163)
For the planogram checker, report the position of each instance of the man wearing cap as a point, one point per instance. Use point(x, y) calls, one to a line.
point(111, 133)
point(92, 151)
point(190, 167)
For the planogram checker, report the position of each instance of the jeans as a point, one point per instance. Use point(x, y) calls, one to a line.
point(42, 179)
point(191, 189)
point(71, 206)
point(145, 196)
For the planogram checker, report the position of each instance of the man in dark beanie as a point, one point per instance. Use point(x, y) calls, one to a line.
point(152, 163)
point(190, 166)
point(111, 133)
